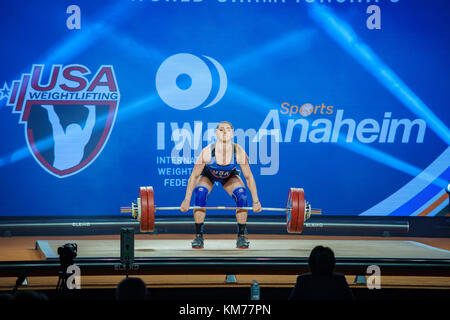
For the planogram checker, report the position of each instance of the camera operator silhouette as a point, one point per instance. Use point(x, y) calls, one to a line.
point(69, 144)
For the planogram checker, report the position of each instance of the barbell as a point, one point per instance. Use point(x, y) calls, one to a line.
point(297, 209)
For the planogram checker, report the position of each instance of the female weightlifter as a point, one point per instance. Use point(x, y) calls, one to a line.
point(218, 162)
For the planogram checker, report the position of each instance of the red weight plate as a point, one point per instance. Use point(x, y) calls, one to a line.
point(292, 215)
point(144, 208)
point(151, 209)
point(301, 205)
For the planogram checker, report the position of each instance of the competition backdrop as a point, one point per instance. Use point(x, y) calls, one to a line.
point(347, 100)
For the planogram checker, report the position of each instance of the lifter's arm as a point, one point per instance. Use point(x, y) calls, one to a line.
point(90, 123)
point(198, 168)
point(54, 121)
point(248, 175)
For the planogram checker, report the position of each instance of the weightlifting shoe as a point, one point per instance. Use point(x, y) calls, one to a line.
point(242, 242)
point(198, 242)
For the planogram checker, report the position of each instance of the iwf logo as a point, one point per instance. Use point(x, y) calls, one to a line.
point(185, 81)
point(69, 118)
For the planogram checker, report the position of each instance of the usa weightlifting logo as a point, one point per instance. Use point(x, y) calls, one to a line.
point(185, 81)
point(69, 118)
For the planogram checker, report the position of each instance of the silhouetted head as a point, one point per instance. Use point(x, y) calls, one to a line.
point(321, 261)
point(29, 295)
point(131, 289)
point(6, 296)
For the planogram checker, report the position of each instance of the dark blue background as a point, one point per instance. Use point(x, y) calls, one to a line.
point(136, 37)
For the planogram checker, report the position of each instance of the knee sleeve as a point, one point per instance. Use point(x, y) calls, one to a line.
point(240, 196)
point(200, 193)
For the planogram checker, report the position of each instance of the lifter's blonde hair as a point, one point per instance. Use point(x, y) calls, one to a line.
point(226, 123)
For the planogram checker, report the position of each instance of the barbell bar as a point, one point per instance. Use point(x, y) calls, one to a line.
point(297, 209)
point(218, 208)
point(128, 209)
